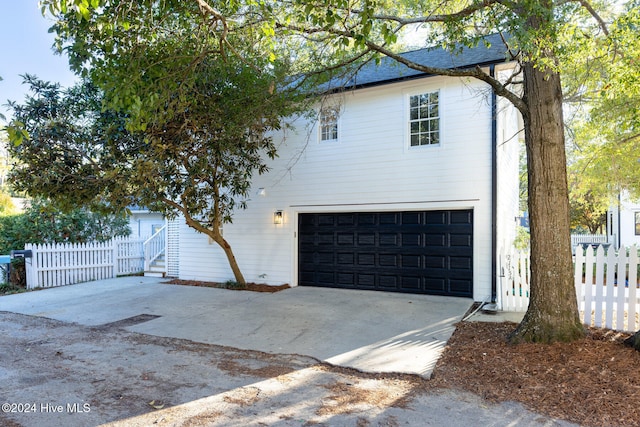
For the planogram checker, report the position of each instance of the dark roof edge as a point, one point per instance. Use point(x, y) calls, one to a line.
point(411, 77)
point(390, 71)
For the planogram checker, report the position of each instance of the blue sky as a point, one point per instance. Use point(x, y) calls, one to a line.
point(25, 47)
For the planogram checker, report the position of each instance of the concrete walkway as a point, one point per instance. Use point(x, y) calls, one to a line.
point(369, 331)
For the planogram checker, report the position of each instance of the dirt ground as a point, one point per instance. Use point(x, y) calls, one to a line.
point(59, 374)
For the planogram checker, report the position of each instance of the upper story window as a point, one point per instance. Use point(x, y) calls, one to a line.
point(424, 119)
point(637, 223)
point(329, 124)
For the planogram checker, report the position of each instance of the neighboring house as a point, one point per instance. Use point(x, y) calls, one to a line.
point(144, 223)
point(406, 182)
point(623, 222)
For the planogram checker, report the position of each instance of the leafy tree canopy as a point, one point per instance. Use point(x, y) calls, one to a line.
point(605, 122)
point(176, 112)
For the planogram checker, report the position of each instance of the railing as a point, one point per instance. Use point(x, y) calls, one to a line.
point(154, 247)
point(606, 282)
point(66, 264)
point(577, 239)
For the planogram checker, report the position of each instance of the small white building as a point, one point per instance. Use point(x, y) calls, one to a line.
point(405, 182)
point(623, 221)
point(144, 223)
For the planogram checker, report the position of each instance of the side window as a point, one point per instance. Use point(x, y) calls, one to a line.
point(637, 223)
point(424, 119)
point(329, 124)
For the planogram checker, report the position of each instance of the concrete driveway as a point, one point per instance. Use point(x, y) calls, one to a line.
point(369, 331)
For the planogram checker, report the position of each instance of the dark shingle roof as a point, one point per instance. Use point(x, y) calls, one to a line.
point(388, 70)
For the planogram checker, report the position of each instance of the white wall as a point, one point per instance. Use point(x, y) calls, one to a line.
point(628, 209)
point(510, 141)
point(142, 223)
point(370, 168)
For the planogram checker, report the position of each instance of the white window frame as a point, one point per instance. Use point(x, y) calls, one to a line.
point(411, 119)
point(323, 129)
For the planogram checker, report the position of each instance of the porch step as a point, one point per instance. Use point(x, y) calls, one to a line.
point(157, 268)
point(154, 274)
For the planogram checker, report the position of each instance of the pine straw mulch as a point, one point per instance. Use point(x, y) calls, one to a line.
point(594, 381)
point(254, 287)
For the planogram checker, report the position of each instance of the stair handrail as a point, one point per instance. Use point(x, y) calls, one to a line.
point(154, 247)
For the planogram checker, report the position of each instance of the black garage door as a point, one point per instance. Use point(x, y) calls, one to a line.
point(429, 252)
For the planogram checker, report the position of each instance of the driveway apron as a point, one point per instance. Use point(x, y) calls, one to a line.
point(366, 330)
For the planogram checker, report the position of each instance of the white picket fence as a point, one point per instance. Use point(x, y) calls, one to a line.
point(514, 272)
point(66, 264)
point(606, 284)
point(577, 239)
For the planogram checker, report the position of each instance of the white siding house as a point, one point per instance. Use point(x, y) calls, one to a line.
point(365, 205)
point(144, 223)
point(623, 222)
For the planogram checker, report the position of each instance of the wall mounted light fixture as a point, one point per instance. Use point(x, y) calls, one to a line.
point(278, 217)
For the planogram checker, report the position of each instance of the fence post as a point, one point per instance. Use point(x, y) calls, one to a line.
point(114, 259)
point(30, 266)
point(620, 287)
point(632, 300)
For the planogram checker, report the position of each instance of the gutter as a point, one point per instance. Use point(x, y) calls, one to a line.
point(494, 189)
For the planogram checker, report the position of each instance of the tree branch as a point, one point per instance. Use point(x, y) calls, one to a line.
point(595, 15)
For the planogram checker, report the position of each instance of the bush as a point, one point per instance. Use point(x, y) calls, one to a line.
point(43, 223)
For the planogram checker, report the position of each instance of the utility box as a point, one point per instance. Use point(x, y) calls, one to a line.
point(21, 254)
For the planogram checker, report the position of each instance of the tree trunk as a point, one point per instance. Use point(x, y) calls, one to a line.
point(634, 341)
point(217, 237)
point(235, 268)
point(553, 311)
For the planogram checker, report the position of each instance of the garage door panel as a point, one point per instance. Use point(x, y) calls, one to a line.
point(418, 252)
point(411, 239)
point(463, 240)
point(324, 258)
point(435, 285)
point(325, 220)
point(436, 217)
point(346, 279)
point(435, 262)
point(439, 239)
point(366, 260)
point(325, 239)
point(388, 283)
point(460, 263)
point(412, 218)
point(366, 239)
point(366, 219)
point(386, 239)
point(346, 258)
point(411, 261)
point(460, 287)
point(388, 260)
point(388, 218)
point(346, 239)
point(460, 217)
point(346, 220)
point(411, 283)
point(325, 278)
point(366, 281)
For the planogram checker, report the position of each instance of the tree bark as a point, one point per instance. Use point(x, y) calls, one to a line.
point(553, 310)
point(216, 237)
point(634, 341)
point(235, 268)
